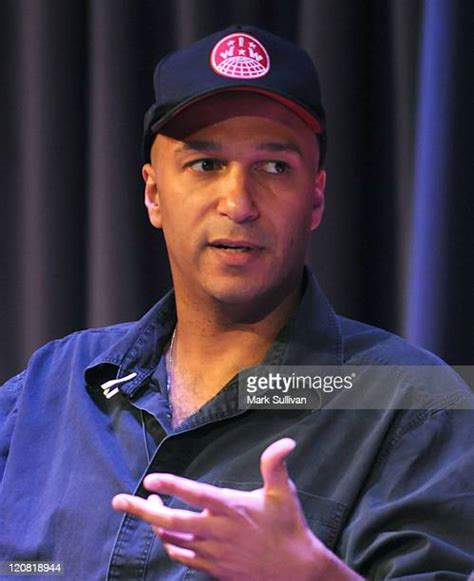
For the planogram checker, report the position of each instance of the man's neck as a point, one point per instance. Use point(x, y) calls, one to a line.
point(211, 329)
point(212, 345)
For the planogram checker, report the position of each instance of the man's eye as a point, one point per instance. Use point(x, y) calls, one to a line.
point(205, 165)
point(275, 167)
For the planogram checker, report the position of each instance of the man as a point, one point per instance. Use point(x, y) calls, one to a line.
point(234, 176)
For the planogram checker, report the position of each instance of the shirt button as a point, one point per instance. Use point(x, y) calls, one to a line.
point(168, 415)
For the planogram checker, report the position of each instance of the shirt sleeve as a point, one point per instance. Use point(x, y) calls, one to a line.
point(9, 394)
point(415, 516)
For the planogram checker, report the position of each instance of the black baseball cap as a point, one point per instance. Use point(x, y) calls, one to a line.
point(240, 57)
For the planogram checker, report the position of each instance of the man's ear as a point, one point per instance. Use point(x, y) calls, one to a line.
point(318, 199)
point(152, 198)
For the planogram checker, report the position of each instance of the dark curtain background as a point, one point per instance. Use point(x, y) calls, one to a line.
point(396, 245)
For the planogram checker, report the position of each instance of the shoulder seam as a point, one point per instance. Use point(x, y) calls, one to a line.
point(93, 331)
point(421, 418)
point(15, 383)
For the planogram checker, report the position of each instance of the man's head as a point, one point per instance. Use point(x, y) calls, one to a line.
point(234, 181)
point(243, 58)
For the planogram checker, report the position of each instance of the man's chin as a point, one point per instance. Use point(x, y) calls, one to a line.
point(235, 294)
point(245, 303)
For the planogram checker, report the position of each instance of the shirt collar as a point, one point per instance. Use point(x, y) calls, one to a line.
point(138, 351)
point(311, 337)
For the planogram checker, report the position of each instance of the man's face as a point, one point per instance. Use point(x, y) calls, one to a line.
point(234, 184)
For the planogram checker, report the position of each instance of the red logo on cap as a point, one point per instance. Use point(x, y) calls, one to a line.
point(240, 56)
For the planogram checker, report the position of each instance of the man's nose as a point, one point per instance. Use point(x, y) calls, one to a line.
point(237, 196)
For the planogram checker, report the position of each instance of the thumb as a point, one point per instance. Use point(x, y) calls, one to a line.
point(272, 464)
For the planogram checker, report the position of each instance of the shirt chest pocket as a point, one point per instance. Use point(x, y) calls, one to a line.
point(324, 515)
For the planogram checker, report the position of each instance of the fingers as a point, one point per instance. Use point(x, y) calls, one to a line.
point(155, 513)
point(189, 558)
point(156, 500)
point(197, 494)
point(182, 540)
point(272, 464)
point(203, 548)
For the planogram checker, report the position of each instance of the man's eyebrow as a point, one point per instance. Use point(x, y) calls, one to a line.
point(199, 145)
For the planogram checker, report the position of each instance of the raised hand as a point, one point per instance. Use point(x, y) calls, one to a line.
point(260, 534)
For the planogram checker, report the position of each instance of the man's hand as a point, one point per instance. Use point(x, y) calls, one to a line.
point(238, 535)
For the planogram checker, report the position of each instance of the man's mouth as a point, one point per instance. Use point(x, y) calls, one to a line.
point(234, 245)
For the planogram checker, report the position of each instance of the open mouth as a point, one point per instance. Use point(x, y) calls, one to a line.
point(234, 246)
point(231, 248)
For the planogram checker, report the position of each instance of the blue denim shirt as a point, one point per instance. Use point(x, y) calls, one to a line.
point(390, 491)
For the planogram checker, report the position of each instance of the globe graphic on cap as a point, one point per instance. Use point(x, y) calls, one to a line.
point(241, 67)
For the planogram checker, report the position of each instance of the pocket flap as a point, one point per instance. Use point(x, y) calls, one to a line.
point(324, 515)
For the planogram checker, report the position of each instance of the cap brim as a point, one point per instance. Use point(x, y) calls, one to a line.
point(302, 112)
